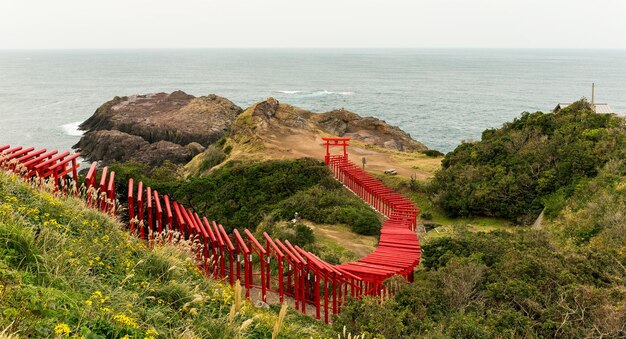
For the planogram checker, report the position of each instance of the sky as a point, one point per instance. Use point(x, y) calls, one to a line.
point(46, 24)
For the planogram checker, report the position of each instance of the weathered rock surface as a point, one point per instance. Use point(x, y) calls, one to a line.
point(273, 116)
point(153, 128)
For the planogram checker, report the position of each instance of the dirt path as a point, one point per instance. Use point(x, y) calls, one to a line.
point(305, 144)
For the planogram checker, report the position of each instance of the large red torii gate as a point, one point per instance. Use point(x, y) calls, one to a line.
point(335, 142)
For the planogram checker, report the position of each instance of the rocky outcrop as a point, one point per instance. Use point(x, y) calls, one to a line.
point(153, 128)
point(272, 116)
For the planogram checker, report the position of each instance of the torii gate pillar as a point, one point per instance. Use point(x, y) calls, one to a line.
point(335, 142)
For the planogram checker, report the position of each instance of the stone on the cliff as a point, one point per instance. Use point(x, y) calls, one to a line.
point(188, 124)
point(108, 146)
point(267, 108)
point(156, 153)
point(195, 148)
point(333, 125)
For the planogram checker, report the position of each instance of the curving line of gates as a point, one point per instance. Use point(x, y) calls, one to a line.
point(266, 267)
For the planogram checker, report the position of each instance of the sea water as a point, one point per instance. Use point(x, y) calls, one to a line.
point(441, 97)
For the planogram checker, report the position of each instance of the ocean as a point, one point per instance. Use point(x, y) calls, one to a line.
point(441, 97)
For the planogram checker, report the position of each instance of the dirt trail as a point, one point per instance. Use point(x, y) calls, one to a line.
point(300, 144)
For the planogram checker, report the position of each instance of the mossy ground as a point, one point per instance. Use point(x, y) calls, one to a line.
point(69, 271)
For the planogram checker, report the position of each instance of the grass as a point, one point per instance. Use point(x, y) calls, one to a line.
point(340, 242)
point(442, 225)
point(70, 271)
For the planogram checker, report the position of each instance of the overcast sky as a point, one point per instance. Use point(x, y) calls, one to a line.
point(312, 23)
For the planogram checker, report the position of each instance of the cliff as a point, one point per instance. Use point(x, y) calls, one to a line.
point(155, 127)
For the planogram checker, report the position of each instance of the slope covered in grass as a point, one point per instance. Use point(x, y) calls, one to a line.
point(241, 194)
point(67, 270)
point(534, 162)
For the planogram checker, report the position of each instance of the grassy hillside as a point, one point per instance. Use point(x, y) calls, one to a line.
point(241, 194)
point(535, 162)
point(66, 270)
point(502, 285)
point(564, 278)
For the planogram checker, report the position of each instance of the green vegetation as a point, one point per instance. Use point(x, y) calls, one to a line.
point(595, 215)
point(566, 278)
point(502, 284)
point(67, 270)
point(536, 161)
point(240, 195)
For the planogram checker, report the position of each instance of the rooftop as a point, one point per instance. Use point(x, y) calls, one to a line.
point(598, 108)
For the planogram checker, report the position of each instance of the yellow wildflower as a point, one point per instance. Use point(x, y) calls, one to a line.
point(62, 329)
point(125, 320)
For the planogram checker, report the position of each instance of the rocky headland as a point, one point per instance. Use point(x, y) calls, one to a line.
point(274, 117)
point(153, 128)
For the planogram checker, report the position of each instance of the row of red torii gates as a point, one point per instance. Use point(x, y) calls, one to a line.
point(269, 265)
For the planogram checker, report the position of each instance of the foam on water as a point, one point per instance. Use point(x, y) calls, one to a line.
point(71, 129)
point(320, 93)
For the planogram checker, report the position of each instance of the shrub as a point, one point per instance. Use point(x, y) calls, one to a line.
point(432, 153)
point(536, 161)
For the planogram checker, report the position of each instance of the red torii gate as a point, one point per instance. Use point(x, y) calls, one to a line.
point(335, 142)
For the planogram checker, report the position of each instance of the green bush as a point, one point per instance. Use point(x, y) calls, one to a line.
point(536, 161)
point(239, 195)
point(432, 153)
point(336, 206)
point(502, 284)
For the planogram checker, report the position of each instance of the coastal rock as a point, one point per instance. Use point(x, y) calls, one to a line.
point(111, 145)
point(155, 127)
point(274, 118)
point(266, 108)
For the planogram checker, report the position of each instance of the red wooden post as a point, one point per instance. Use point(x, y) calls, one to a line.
point(149, 206)
point(293, 262)
point(222, 242)
point(140, 210)
point(179, 220)
point(303, 282)
point(102, 191)
point(168, 213)
point(131, 206)
point(268, 280)
point(262, 253)
point(231, 249)
point(111, 193)
point(75, 174)
point(159, 213)
point(220, 261)
point(271, 245)
point(246, 262)
point(214, 247)
point(326, 297)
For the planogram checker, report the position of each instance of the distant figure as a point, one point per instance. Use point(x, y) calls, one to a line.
point(296, 218)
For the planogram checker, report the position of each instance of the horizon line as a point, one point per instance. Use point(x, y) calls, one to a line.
point(311, 48)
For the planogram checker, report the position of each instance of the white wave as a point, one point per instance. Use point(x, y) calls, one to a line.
point(325, 93)
point(72, 129)
point(316, 93)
